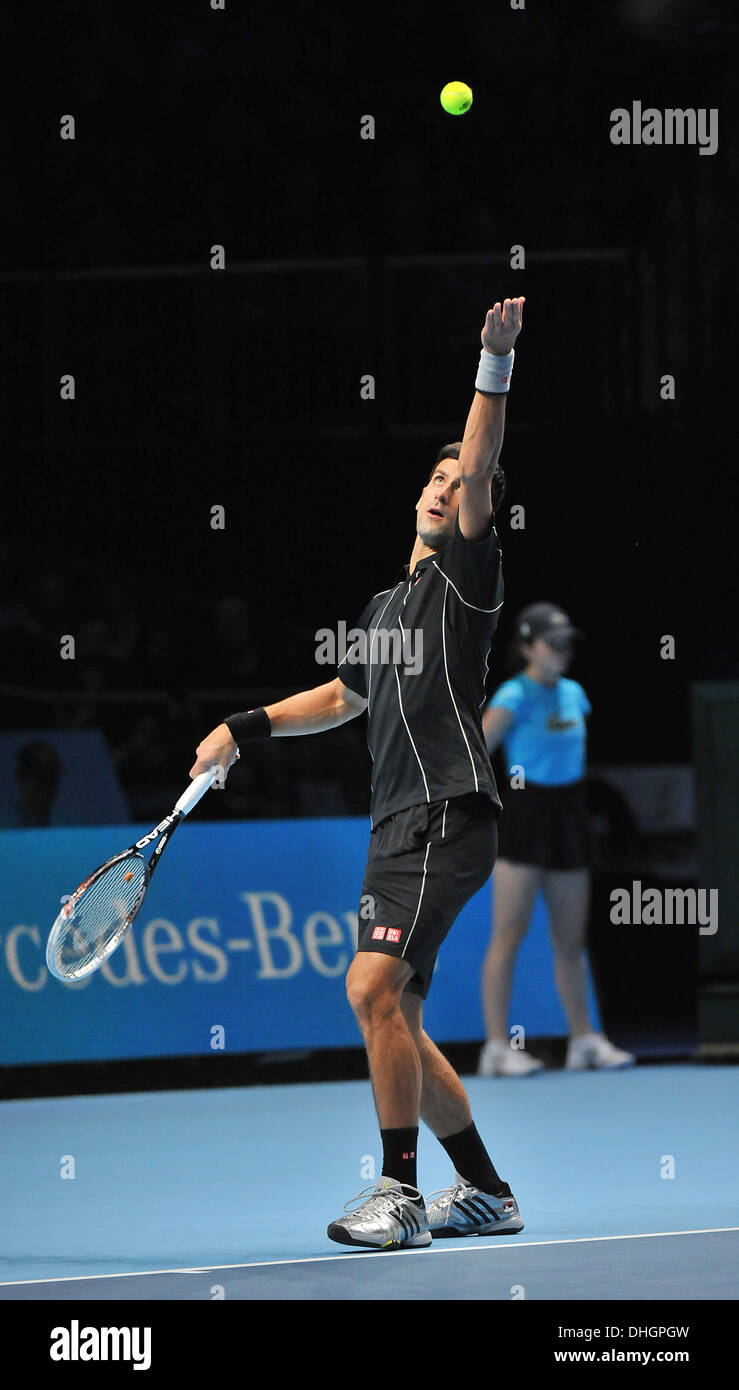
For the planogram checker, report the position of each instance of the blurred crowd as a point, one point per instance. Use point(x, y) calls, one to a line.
point(83, 651)
point(155, 678)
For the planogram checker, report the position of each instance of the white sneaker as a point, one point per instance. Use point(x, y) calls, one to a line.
point(594, 1050)
point(498, 1058)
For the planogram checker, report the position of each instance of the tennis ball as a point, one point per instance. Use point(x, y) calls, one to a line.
point(456, 98)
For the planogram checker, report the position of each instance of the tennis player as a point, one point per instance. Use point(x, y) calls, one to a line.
point(434, 813)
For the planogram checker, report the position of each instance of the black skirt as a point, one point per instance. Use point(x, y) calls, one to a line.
point(547, 827)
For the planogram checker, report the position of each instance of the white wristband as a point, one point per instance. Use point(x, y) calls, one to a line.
point(494, 372)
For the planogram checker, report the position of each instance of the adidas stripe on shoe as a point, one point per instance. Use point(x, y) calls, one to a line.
point(463, 1210)
point(386, 1219)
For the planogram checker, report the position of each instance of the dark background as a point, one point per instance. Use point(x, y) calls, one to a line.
point(241, 388)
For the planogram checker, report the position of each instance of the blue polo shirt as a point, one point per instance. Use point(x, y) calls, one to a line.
point(547, 736)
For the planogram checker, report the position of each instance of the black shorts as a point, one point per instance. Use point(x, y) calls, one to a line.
point(547, 827)
point(423, 865)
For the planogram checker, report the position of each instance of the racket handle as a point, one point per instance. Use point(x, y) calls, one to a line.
point(197, 789)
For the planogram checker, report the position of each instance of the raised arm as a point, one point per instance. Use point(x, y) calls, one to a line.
point(483, 433)
point(308, 712)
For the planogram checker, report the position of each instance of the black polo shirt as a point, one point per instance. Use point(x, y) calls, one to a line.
point(421, 662)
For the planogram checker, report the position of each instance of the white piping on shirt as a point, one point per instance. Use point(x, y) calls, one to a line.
point(477, 609)
point(420, 899)
point(369, 662)
point(413, 746)
point(400, 702)
point(446, 672)
point(369, 685)
point(443, 822)
point(463, 600)
point(485, 676)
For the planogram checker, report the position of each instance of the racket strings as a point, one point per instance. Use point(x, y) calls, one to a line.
point(101, 914)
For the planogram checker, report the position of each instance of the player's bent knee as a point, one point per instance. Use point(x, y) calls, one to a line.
point(369, 1000)
point(374, 983)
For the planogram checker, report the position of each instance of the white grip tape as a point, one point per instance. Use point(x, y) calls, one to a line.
point(197, 789)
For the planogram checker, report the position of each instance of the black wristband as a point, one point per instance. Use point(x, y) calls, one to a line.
point(244, 727)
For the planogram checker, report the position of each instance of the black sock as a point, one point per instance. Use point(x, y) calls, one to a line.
point(399, 1155)
point(472, 1161)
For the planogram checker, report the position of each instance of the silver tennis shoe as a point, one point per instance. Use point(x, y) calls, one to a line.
point(463, 1210)
point(386, 1219)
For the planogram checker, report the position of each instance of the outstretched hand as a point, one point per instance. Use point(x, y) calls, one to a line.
point(502, 325)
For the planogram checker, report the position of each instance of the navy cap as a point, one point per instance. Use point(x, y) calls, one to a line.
point(545, 620)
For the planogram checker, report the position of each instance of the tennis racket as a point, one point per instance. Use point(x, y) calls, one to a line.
point(95, 919)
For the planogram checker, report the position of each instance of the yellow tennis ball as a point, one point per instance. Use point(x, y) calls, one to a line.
point(456, 98)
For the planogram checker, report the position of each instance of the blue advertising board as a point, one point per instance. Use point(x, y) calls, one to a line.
point(242, 946)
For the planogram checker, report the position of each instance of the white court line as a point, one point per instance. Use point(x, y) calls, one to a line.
point(368, 1254)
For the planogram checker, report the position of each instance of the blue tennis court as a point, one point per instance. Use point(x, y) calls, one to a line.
point(625, 1181)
